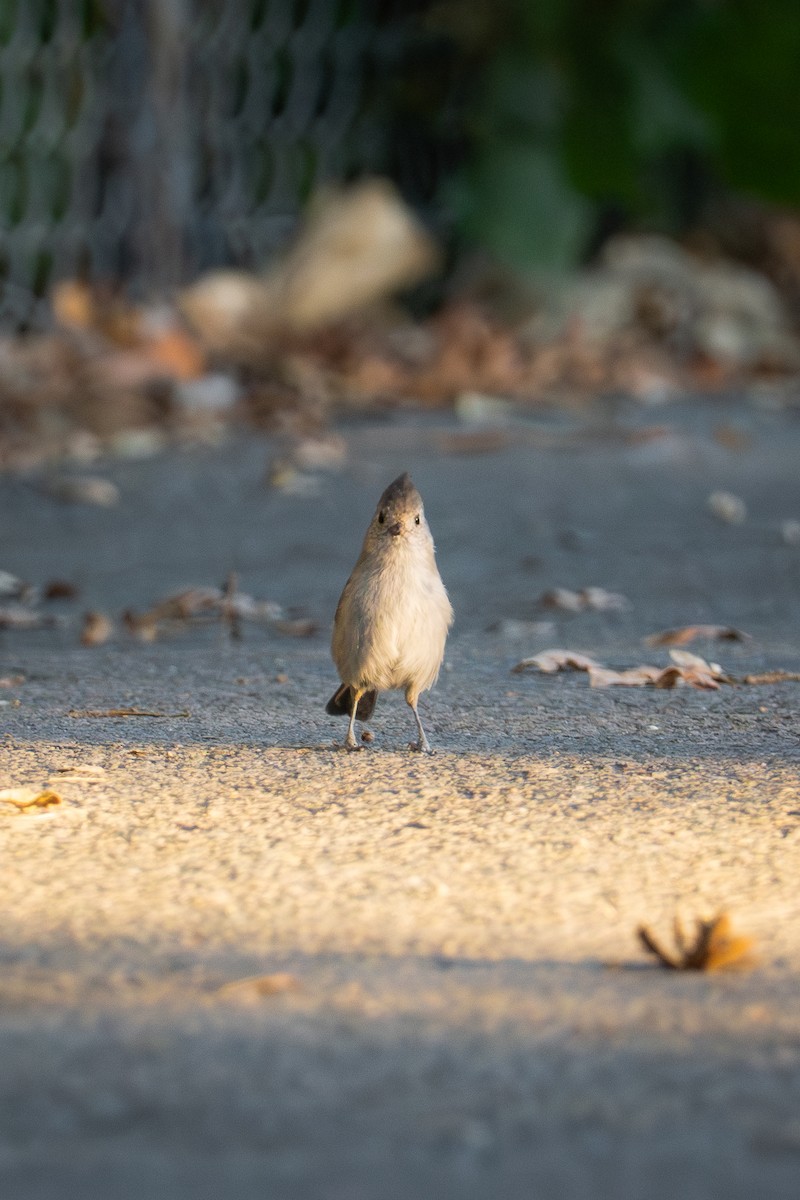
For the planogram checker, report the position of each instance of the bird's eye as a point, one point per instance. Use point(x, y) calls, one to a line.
point(416, 519)
point(381, 517)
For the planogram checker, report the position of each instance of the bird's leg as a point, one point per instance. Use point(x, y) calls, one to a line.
point(423, 744)
point(350, 740)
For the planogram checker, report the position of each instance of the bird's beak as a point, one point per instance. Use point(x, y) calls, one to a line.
point(395, 529)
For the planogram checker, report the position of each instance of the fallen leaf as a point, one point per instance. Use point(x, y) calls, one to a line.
point(633, 677)
point(80, 773)
point(298, 627)
point(10, 681)
point(12, 588)
point(97, 629)
point(191, 602)
point(714, 948)
point(589, 599)
point(59, 589)
point(561, 598)
point(773, 677)
point(550, 661)
point(144, 627)
point(85, 489)
point(727, 507)
point(732, 437)
point(27, 797)
point(510, 627)
point(696, 671)
point(176, 352)
point(262, 985)
point(691, 633)
point(15, 616)
point(123, 712)
point(199, 604)
point(597, 599)
point(72, 303)
point(790, 533)
point(320, 453)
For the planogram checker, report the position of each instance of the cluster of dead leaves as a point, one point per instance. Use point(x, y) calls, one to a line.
point(225, 606)
point(20, 609)
point(20, 601)
point(686, 669)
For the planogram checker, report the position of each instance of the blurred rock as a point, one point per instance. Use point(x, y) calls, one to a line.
point(790, 533)
point(727, 507)
point(722, 309)
point(357, 246)
point(85, 489)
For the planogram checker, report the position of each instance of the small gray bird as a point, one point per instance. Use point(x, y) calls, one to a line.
point(392, 619)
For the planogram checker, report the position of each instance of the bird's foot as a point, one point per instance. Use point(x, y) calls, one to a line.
point(421, 747)
point(352, 744)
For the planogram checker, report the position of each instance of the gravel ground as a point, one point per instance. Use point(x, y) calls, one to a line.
point(460, 1008)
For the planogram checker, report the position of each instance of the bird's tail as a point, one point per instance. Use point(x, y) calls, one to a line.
point(341, 703)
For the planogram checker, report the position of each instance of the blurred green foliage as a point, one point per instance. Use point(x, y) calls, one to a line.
point(584, 111)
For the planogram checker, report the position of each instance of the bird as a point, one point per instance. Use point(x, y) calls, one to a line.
point(393, 615)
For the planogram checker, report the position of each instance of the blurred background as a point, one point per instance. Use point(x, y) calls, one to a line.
point(272, 210)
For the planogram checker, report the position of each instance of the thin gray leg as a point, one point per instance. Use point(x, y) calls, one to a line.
point(350, 740)
point(423, 744)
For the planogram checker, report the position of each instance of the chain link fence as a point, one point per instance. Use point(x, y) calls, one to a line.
point(143, 141)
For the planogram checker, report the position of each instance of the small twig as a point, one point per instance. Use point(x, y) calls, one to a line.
point(123, 712)
point(714, 948)
point(227, 610)
point(773, 677)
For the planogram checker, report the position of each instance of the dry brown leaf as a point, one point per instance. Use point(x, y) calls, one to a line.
point(144, 627)
point(97, 629)
point(256, 986)
point(714, 948)
point(59, 589)
point(691, 633)
point(550, 661)
point(26, 797)
point(561, 598)
point(597, 599)
point(15, 616)
point(176, 354)
point(732, 437)
point(773, 677)
point(85, 489)
point(191, 602)
point(588, 599)
point(73, 304)
point(633, 677)
point(123, 712)
point(697, 672)
point(297, 627)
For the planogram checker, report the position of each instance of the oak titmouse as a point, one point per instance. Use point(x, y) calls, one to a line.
point(393, 616)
